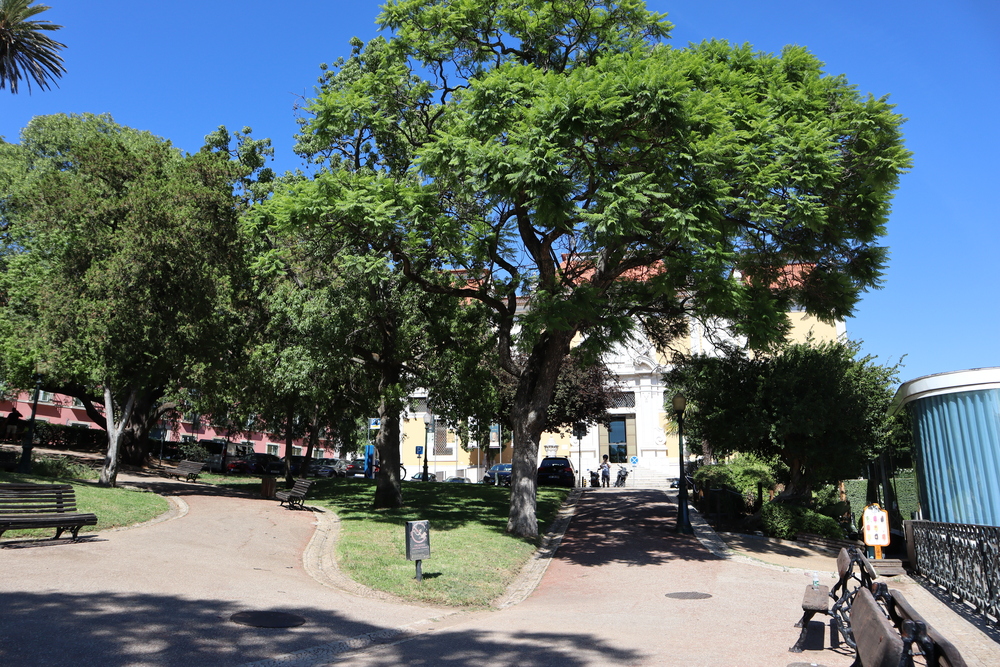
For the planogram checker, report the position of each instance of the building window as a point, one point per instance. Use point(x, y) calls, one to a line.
point(441, 447)
point(296, 451)
point(626, 399)
point(273, 449)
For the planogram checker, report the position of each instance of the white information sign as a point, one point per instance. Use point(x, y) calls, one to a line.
point(876, 523)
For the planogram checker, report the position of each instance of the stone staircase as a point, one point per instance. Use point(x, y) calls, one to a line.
point(645, 478)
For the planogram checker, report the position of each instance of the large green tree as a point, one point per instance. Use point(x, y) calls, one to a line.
point(122, 267)
point(26, 52)
point(586, 177)
point(821, 409)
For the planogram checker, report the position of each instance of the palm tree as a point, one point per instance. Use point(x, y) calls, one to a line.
point(25, 51)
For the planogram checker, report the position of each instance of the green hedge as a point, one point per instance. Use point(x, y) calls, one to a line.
point(783, 521)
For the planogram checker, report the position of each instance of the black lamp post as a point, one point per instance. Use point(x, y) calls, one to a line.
point(429, 422)
point(683, 520)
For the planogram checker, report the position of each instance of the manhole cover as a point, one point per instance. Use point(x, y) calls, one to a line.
point(267, 619)
point(688, 595)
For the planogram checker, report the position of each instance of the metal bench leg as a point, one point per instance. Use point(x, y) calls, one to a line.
point(804, 624)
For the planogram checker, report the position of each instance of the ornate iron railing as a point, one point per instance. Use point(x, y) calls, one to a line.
point(963, 559)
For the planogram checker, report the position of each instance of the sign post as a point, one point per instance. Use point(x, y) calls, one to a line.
point(418, 543)
point(876, 528)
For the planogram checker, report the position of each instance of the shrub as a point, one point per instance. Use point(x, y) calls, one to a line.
point(62, 467)
point(783, 521)
point(193, 451)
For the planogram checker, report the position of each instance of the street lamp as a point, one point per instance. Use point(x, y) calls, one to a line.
point(429, 423)
point(683, 520)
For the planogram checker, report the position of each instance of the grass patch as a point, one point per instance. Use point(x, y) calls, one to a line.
point(113, 507)
point(472, 559)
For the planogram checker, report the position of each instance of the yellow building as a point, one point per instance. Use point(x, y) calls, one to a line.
point(641, 435)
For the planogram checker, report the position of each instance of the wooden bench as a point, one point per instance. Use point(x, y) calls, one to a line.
point(877, 642)
point(854, 571)
point(936, 649)
point(295, 496)
point(187, 469)
point(41, 506)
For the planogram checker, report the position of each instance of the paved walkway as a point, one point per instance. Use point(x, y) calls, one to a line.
point(162, 595)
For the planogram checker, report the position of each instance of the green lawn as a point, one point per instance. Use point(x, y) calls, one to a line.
point(113, 507)
point(472, 558)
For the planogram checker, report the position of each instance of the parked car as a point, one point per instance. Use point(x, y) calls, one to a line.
point(419, 477)
point(295, 466)
point(498, 475)
point(239, 466)
point(266, 464)
point(356, 468)
point(556, 471)
point(459, 480)
point(331, 468)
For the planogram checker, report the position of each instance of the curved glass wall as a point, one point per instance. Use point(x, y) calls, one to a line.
point(956, 431)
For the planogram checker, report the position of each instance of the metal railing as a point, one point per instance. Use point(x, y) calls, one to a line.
point(963, 559)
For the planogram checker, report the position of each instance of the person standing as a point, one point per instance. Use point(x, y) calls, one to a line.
point(605, 472)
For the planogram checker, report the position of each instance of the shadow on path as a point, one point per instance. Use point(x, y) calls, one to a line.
point(635, 528)
point(46, 628)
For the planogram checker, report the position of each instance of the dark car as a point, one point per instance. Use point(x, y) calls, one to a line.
point(419, 477)
point(356, 468)
point(331, 468)
point(498, 475)
point(239, 466)
point(295, 466)
point(556, 471)
point(266, 464)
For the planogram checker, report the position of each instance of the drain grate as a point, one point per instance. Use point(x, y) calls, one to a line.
point(688, 595)
point(267, 619)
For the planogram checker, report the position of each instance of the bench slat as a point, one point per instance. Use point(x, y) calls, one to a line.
point(25, 506)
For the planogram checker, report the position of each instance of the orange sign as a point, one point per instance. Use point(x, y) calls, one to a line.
point(876, 526)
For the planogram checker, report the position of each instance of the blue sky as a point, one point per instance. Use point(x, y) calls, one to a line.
point(181, 69)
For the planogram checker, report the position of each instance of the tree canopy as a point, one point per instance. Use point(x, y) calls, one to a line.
point(819, 408)
point(586, 177)
point(122, 266)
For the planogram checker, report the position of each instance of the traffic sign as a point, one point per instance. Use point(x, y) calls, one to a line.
point(420, 450)
point(634, 460)
point(374, 423)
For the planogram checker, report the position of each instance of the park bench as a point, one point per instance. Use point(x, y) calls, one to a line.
point(294, 496)
point(41, 506)
point(187, 469)
point(936, 649)
point(854, 571)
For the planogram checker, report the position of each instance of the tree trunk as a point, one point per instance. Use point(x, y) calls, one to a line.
point(289, 440)
point(531, 402)
point(388, 490)
point(116, 428)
